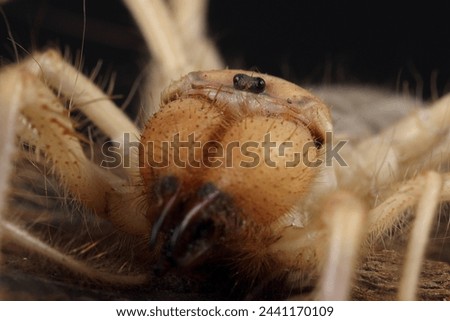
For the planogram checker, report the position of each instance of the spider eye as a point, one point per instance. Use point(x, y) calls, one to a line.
point(238, 81)
point(244, 82)
point(260, 85)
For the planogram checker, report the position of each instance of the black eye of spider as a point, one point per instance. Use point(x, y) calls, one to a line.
point(244, 82)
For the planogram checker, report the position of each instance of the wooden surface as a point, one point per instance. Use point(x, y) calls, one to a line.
point(22, 279)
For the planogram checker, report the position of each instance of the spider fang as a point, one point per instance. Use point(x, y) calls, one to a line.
point(192, 226)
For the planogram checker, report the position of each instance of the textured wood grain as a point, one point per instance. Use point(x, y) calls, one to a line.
point(379, 276)
point(377, 279)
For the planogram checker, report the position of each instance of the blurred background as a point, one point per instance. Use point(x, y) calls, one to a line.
point(403, 48)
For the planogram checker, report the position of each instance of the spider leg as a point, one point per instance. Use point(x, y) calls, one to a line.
point(427, 191)
point(438, 158)
point(345, 221)
point(46, 125)
point(191, 19)
point(32, 112)
point(157, 25)
point(392, 209)
point(379, 161)
point(426, 210)
point(43, 123)
point(70, 82)
point(328, 247)
point(87, 97)
point(9, 111)
point(21, 237)
point(175, 35)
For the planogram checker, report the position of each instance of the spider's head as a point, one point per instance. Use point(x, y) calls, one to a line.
point(243, 92)
point(227, 150)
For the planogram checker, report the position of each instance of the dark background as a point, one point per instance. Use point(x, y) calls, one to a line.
point(313, 42)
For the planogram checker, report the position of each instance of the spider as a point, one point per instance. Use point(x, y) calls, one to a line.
point(280, 206)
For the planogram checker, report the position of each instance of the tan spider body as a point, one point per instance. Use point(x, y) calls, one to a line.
point(239, 211)
point(300, 226)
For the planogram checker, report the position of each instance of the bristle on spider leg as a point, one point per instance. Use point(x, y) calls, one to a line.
point(26, 240)
point(60, 75)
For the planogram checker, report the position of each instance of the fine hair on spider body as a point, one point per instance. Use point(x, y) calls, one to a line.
point(187, 201)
